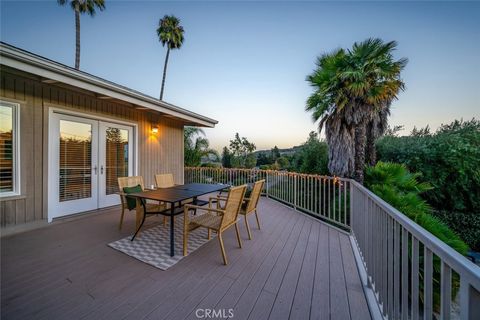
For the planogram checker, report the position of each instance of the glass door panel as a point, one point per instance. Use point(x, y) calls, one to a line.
point(75, 165)
point(115, 160)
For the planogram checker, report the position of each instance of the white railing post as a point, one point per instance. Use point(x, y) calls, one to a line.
point(295, 192)
point(266, 183)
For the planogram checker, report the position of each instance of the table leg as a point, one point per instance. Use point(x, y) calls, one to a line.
point(138, 214)
point(172, 230)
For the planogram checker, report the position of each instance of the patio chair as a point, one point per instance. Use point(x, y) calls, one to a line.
point(215, 219)
point(250, 205)
point(133, 181)
point(164, 180)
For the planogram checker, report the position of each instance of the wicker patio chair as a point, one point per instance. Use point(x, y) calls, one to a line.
point(215, 219)
point(164, 180)
point(250, 205)
point(132, 182)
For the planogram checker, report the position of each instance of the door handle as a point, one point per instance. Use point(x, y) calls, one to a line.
point(101, 169)
point(95, 168)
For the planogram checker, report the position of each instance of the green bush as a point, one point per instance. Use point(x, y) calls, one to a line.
point(449, 160)
point(400, 188)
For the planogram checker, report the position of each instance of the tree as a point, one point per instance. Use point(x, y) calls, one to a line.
point(275, 153)
point(330, 106)
point(196, 147)
point(242, 150)
point(226, 158)
point(353, 91)
point(372, 79)
point(170, 33)
point(312, 157)
point(80, 7)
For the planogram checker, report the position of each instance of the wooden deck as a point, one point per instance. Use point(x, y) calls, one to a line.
point(294, 268)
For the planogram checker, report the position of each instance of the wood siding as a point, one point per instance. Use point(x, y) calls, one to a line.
point(159, 153)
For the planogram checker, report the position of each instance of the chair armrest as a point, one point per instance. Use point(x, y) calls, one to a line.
point(191, 206)
point(122, 194)
point(216, 200)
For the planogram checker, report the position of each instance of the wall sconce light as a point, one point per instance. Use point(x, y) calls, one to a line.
point(154, 129)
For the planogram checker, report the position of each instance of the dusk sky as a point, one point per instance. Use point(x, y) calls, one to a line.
point(244, 63)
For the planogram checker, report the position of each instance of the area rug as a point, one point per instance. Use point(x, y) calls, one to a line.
point(152, 246)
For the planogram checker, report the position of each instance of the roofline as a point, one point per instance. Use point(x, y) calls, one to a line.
point(29, 62)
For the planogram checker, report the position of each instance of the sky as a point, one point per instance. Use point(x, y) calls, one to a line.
point(244, 63)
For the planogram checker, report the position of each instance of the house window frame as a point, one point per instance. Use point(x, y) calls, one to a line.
point(16, 148)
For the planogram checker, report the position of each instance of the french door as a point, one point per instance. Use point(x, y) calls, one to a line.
point(86, 158)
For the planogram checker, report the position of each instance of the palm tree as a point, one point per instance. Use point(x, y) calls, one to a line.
point(82, 6)
point(196, 146)
point(372, 78)
point(353, 91)
point(330, 106)
point(170, 33)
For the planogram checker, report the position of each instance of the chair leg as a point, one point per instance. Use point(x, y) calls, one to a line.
point(164, 221)
point(121, 218)
point(238, 235)
point(222, 248)
point(248, 228)
point(258, 221)
point(209, 234)
point(185, 242)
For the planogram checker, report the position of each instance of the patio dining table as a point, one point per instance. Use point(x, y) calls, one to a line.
point(174, 196)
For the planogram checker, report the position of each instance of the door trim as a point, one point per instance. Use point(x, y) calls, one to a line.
point(52, 109)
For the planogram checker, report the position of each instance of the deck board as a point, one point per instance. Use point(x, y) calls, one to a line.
point(296, 267)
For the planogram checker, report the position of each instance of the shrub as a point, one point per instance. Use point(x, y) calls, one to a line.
point(449, 160)
point(400, 188)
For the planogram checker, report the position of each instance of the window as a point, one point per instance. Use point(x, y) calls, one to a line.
point(8, 149)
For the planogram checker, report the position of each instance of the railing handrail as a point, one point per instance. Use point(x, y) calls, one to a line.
point(280, 172)
point(438, 247)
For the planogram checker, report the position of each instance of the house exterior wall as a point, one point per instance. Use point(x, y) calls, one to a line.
point(157, 153)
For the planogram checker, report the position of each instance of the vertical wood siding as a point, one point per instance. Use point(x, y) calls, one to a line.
point(160, 153)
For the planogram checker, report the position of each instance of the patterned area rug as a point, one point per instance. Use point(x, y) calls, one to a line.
point(152, 245)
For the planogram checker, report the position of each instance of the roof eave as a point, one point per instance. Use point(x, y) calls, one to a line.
point(31, 63)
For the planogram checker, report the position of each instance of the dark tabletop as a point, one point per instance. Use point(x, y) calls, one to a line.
point(180, 192)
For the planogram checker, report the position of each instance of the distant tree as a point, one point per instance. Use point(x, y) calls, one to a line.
point(170, 33)
point(312, 157)
point(242, 150)
point(196, 147)
point(226, 158)
point(393, 131)
point(80, 7)
point(283, 162)
point(250, 161)
point(264, 159)
point(275, 153)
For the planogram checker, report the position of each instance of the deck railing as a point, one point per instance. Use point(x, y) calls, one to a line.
point(320, 196)
point(412, 274)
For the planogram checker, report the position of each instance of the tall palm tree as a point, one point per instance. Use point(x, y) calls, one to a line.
point(330, 105)
point(372, 78)
point(170, 33)
point(80, 7)
point(353, 92)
